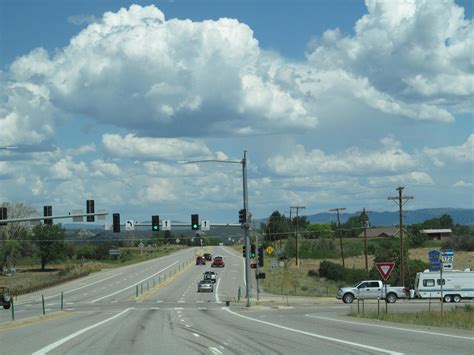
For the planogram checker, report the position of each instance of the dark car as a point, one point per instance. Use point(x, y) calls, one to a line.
point(208, 256)
point(210, 275)
point(5, 298)
point(200, 261)
point(218, 262)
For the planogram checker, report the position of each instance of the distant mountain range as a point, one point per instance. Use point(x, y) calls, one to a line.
point(459, 216)
point(463, 216)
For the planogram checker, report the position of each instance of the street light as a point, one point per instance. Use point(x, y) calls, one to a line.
point(246, 208)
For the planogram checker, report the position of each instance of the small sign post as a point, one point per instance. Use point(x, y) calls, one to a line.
point(385, 269)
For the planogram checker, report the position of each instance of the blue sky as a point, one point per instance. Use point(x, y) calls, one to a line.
point(338, 103)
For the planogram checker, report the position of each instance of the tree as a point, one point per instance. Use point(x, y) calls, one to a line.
point(49, 243)
point(315, 231)
point(276, 228)
point(13, 235)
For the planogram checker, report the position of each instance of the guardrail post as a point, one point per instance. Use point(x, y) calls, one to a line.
point(42, 301)
point(147, 287)
point(153, 282)
point(358, 306)
point(141, 288)
point(62, 301)
point(363, 306)
point(137, 292)
point(238, 295)
point(378, 305)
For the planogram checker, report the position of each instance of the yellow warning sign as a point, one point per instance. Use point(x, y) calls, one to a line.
point(269, 250)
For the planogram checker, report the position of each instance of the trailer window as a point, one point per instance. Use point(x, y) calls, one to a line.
point(428, 283)
point(439, 282)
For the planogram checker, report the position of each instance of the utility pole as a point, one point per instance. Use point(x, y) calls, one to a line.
point(297, 208)
point(401, 203)
point(337, 210)
point(365, 222)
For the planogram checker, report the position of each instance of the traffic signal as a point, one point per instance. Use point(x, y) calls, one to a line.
point(244, 251)
point(260, 256)
point(90, 209)
point(48, 211)
point(252, 251)
point(243, 215)
point(194, 222)
point(116, 222)
point(3, 215)
point(155, 223)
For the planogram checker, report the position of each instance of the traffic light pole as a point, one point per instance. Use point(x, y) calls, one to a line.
point(246, 228)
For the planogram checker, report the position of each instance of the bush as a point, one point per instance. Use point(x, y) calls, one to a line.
point(461, 242)
point(313, 273)
point(336, 272)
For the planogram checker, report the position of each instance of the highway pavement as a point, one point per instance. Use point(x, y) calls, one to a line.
point(103, 315)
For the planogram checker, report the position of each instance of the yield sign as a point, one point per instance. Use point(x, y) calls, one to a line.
point(384, 269)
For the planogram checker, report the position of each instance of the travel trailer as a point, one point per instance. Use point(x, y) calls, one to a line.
point(456, 285)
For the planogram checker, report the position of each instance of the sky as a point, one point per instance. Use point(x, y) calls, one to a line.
point(336, 102)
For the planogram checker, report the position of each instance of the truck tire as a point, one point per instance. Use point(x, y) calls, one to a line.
point(447, 298)
point(391, 298)
point(348, 298)
point(7, 306)
point(457, 298)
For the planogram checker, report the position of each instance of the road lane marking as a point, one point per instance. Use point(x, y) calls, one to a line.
point(135, 284)
point(60, 342)
point(313, 334)
point(196, 335)
point(215, 351)
point(389, 327)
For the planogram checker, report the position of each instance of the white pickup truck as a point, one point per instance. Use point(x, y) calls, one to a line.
point(371, 289)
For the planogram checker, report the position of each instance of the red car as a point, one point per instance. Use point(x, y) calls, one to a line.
point(218, 262)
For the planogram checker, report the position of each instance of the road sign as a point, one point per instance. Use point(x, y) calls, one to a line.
point(435, 266)
point(274, 264)
point(205, 226)
point(447, 266)
point(269, 250)
point(141, 245)
point(447, 252)
point(385, 269)
point(447, 259)
point(434, 255)
point(166, 225)
point(129, 225)
point(177, 241)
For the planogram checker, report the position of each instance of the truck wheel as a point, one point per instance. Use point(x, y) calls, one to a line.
point(448, 298)
point(457, 298)
point(6, 306)
point(391, 298)
point(348, 298)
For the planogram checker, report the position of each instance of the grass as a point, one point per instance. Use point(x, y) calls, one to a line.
point(461, 318)
point(29, 275)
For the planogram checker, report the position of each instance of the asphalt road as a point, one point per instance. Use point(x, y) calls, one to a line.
point(103, 316)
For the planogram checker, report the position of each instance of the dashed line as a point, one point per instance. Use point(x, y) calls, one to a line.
point(196, 335)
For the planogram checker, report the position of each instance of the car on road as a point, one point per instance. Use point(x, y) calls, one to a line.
point(5, 297)
point(218, 262)
point(208, 256)
point(210, 275)
point(200, 261)
point(371, 289)
point(205, 286)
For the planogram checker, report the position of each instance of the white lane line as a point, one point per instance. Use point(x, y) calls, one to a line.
point(395, 328)
point(154, 308)
point(216, 293)
point(187, 325)
point(60, 342)
point(196, 335)
point(178, 308)
point(313, 334)
point(215, 351)
point(135, 284)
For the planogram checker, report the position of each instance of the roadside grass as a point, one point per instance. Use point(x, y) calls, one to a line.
point(459, 318)
point(29, 275)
